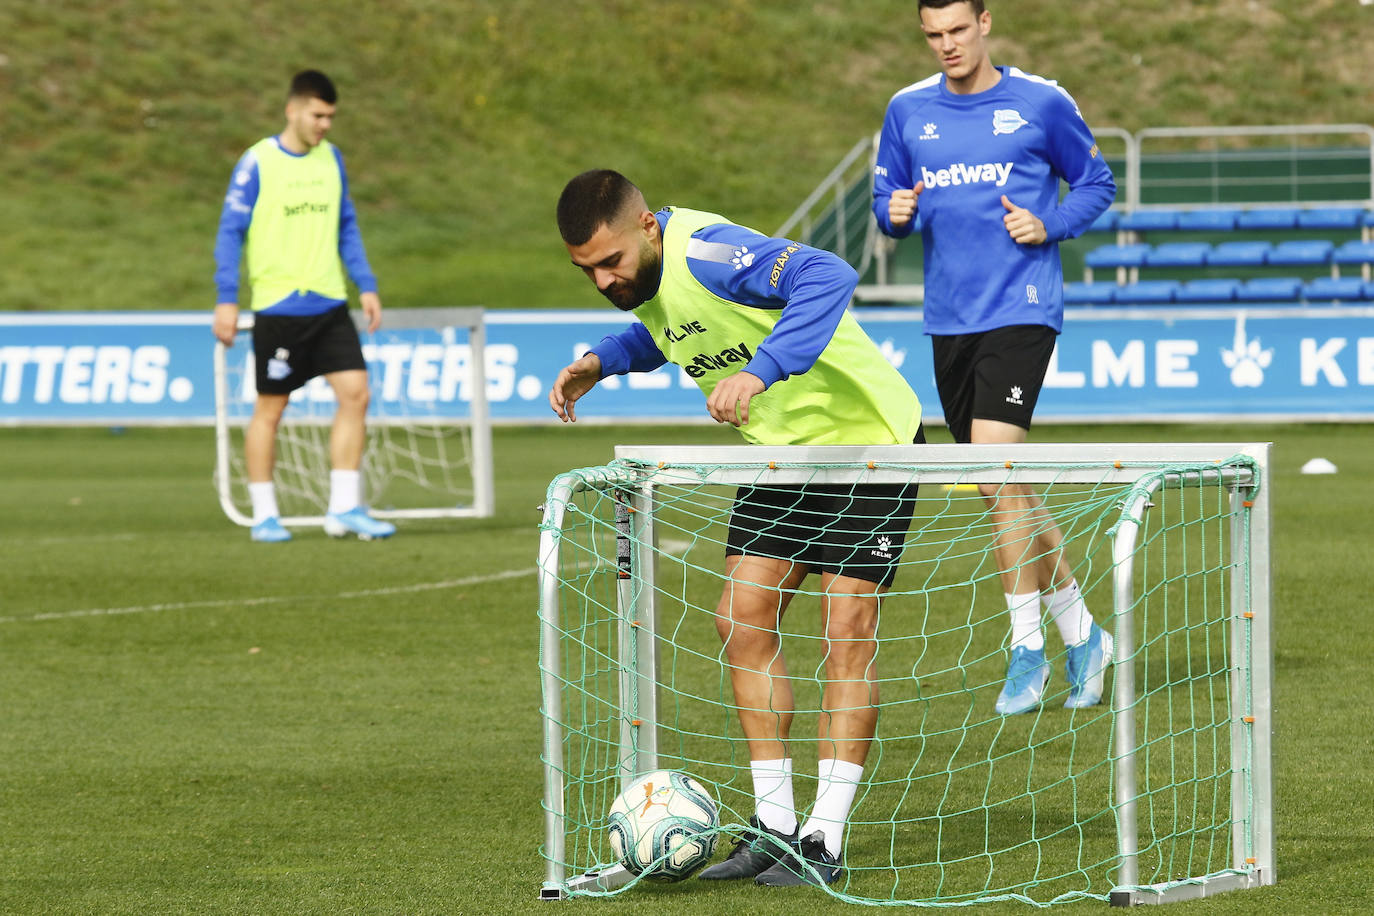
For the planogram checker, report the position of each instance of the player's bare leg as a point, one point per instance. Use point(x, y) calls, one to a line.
point(347, 437)
point(850, 700)
point(1028, 546)
point(849, 717)
point(1028, 542)
point(260, 439)
point(349, 433)
point(757, 592)
point(260, 456)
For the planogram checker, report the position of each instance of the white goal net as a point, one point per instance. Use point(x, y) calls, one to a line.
point(428, 451)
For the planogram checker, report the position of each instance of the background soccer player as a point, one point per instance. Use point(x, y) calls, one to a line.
point(761, 325)
point(978, 152)
point(288, 200)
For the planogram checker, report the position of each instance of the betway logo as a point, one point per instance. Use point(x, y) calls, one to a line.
point(703, 363)
point(964, 173)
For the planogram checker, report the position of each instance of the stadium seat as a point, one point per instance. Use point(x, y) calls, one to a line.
point(1100, 293)
point(1270, 289)
point(1209, 290)
point(1147, 292)
point(1106, 222)
point(1345, 289)
point(1178, 254)
point(1216, 219)
point(1149, 221)
point(1268, 218)
point(1330, 218)
point(1117, 255)
point(1301, 253)
point(1239, 254)
point(1354, 252)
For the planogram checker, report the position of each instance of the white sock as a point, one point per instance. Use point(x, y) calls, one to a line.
point(1025, 621)
point(839, 780)
point(264, 497)
point(773, 794)
point(344, 490)
point(1070, 614)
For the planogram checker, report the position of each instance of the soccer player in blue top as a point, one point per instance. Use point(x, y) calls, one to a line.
point(977, 153)
point(288, 204)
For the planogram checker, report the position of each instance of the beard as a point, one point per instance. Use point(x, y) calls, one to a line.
point(629, 295)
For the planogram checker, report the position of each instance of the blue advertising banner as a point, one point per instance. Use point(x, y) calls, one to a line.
point(1269, 362)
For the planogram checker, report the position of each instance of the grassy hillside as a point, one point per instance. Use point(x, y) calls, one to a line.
point(461, 120)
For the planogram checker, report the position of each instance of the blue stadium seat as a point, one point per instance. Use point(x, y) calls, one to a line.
point(1178, 254)
point(1106, 222)
point(1099, 293)
point(1117, 255)
point(1239, 254)
point(1268, 218)
point(1270, 289)
point(1345, 289)
point(1147, 292)
point(1209, 290)
point(1369, 218)
point(1330, 218)
point(1354, 252)
point(1302, 252)
point(1149, 221)
point(1213, 219)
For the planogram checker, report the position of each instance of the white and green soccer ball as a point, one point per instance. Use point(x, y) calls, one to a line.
point(663, 827)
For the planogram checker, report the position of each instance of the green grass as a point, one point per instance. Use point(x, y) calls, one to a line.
point(462, 119)
point(197, 724)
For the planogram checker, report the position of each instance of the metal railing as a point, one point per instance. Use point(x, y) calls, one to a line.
point(1207, 166)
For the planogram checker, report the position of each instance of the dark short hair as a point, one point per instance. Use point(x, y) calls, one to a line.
point(312, 84)
point(977, 5)
point(592, 200)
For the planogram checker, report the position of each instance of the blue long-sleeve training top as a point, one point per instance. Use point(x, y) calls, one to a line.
point(1019, 138)
point(237, 215)
point(812, 290)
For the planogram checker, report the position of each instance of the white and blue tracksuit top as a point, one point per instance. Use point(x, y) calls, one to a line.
point(1019, 138)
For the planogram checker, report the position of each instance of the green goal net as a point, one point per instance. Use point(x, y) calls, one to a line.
point(1160, 793)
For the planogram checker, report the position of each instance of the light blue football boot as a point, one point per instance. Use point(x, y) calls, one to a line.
point(1027, 675)
point(357, 521)
point(1087, 669)
point(269, 531)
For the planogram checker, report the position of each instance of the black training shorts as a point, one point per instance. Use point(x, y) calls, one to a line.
point(290, 350)
point(854, 530)
point(992, 375)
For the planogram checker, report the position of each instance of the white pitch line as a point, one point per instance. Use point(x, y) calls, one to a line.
point(271, 599)
point(667, 546)
point(71, 539)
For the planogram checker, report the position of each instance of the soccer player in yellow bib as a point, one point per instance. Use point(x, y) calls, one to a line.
point(762, 325)
point(288, 203)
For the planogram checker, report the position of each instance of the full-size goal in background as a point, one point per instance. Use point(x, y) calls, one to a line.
point(428, 451)
point(1163, 792)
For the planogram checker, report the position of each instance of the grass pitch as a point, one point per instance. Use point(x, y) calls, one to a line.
point(193, 723)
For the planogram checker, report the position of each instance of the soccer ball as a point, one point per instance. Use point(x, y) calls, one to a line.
point(663, 827)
